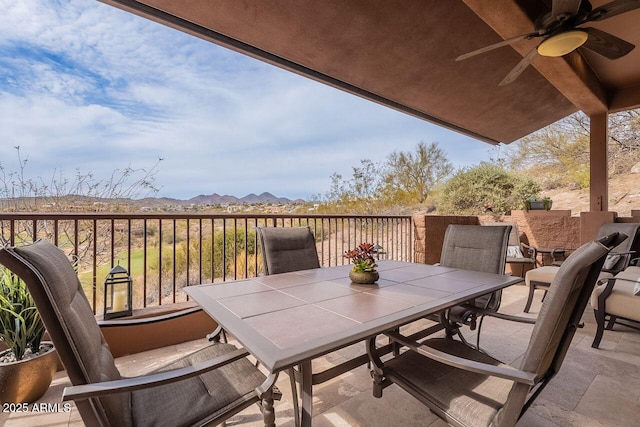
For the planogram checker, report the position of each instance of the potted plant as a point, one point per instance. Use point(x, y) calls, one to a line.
point(28, 365)
point(535, 203)
point(364, 264)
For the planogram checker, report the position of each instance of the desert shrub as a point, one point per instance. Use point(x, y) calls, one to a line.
point(228, 254)
point(486, 187)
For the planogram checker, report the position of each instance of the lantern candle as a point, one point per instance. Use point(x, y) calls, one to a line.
point(119, 301)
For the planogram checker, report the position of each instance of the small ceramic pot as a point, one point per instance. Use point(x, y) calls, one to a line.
point(364, 278)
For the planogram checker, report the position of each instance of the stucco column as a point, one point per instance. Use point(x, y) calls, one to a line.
point(599, 171)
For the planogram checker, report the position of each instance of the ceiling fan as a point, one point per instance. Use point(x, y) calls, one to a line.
point(561, 33)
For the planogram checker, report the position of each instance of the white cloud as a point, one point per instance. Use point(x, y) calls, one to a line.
point(89, 86)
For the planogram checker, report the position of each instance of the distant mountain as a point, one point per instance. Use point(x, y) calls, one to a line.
point(78, 202)
point(216, 199)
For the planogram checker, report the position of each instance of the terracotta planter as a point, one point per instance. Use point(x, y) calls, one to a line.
point(365, 278)
point(26, 381)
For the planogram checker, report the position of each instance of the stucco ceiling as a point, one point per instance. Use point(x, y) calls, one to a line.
point(401, 54)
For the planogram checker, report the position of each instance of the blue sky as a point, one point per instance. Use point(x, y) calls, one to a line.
point(86, 86)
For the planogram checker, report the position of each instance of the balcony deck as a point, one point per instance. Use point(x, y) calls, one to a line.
point(595, 387)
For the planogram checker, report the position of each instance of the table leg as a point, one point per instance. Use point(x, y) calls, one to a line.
point(294, 395)
point(307, 394)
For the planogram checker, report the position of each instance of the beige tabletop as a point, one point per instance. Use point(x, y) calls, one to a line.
point(285, 319)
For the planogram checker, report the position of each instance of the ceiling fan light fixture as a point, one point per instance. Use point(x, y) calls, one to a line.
point(562, 43)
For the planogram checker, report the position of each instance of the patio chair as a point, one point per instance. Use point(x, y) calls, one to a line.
point(473, 247)
point(518, 252)
point(617, 300)
point(286, 249)
point(616, 261)
point(465, 386)
point(205, 387)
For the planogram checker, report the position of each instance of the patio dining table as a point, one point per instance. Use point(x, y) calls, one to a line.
point(287, 320)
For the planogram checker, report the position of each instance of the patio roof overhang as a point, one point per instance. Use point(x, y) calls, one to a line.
point(401, 54)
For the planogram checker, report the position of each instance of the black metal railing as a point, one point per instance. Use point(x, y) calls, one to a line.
point(165, 252)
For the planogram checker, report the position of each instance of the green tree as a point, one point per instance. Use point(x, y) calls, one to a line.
point(404, 179)
point(486, 187)
point(413, 175)
point(555, 154)
point(358, 194)
point(559, 153)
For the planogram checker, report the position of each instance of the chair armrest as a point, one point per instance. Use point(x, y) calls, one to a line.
point(532, 251)
point(485, 312)
point(622, 253)
point(147, 320)
point(509, 373)
point(614, 279)
point(555, 252)
point(610, 283)
point(505, 316)
point(602, 298)
point(86, 391)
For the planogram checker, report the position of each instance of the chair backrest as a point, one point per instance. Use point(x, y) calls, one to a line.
point(619, 257)
point(286, 249)
point(70, 322)
point(556, 324)
point(514, 246)
point(514, 235)
point(477, 248)
point(474, 247)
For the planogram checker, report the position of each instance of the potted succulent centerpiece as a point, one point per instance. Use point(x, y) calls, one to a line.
point(28, 365)
point(535, 203)
point(364, 264)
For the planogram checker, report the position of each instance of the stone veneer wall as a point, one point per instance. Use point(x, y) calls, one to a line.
point(428, 232)
point(542, 229)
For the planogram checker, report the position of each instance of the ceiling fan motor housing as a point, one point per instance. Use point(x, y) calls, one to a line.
point(562, 43)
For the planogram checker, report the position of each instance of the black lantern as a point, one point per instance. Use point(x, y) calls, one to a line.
point(117, 293)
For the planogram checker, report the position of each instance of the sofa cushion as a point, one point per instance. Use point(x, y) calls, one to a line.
point(622, 301)
point(541, 275)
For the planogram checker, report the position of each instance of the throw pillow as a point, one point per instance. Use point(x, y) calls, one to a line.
point(514, 252)
point(611, 261)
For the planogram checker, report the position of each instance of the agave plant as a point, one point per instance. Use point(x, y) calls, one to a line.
point(21, 327)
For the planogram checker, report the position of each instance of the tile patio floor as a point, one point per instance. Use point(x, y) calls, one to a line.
point(594, 387)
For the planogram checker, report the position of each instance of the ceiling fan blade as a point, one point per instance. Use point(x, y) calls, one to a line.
point(518, 69)
point(496, 45)
point(606, 44)
point(568, 8)
point(612, 9)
